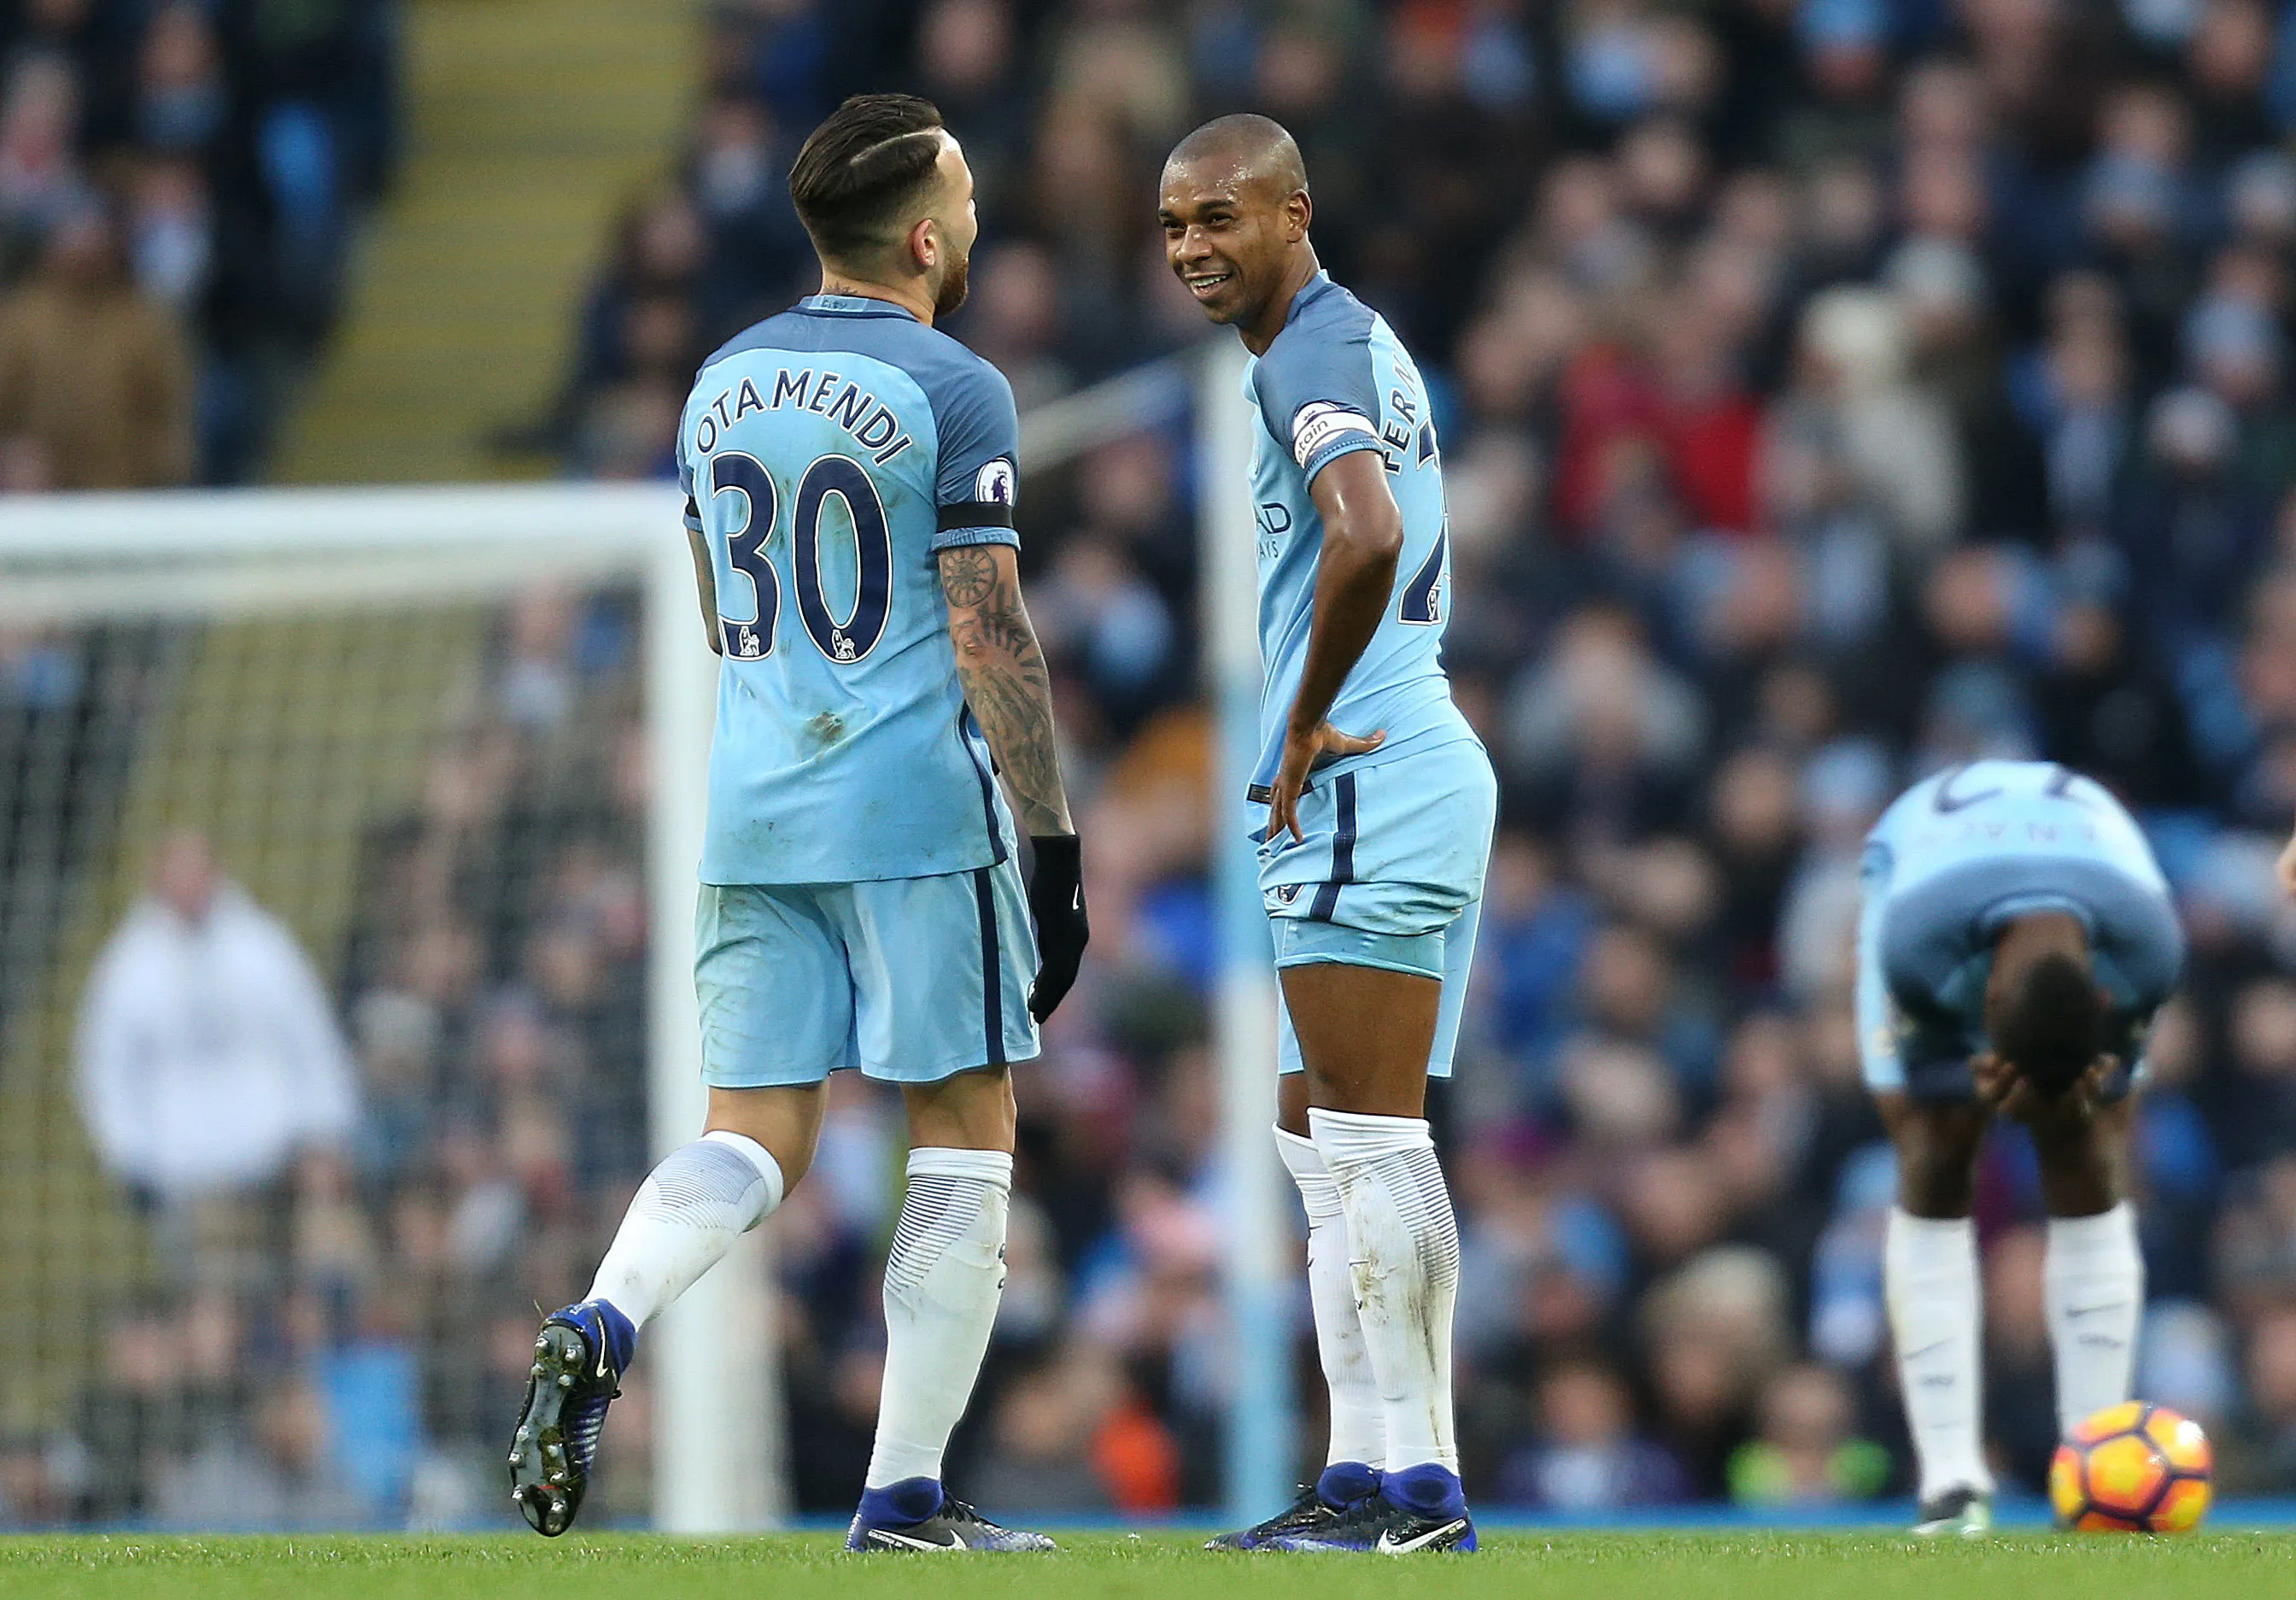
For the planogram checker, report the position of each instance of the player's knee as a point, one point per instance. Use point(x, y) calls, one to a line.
point(971, 1111)
point(1370, 1088)
point(785, 1121)
point(1936, 1191)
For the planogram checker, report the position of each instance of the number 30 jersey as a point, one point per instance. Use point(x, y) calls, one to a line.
point(1336, 380)
point(829, 455)
point(1958, 856)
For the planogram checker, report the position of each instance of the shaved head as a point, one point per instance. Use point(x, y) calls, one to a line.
point(1248, 148)
point(1234, 209)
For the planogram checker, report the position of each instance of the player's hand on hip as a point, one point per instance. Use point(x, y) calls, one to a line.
point(1302, 749)
point(1056, 905)
point(2286, 871)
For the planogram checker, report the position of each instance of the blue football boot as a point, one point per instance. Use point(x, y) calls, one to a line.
point(1420, 1509)
point(1320, 1506)
point(917, 1514)
point(579, 1358)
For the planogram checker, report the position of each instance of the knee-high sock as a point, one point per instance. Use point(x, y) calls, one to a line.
point(2093, 1283)
point(943, 1281)
point(1358, 1419)
point(687, 1214)
point(1403, 1256)
point(1930, 1269)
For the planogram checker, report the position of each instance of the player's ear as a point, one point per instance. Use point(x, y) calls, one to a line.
point(1298, 211)
point(926, 244)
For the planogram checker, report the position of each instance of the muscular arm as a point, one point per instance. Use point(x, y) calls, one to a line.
point(1004, 678)
point(705, 578)
point(1362, 540)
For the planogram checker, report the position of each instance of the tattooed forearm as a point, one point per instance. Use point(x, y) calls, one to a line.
point(1005, 680)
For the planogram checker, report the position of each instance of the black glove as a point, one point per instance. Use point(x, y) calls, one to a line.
point(1056, 902)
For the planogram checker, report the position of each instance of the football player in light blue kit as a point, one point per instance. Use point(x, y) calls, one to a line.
point(2016, 937)
point(1380, 807)
point(850, 473)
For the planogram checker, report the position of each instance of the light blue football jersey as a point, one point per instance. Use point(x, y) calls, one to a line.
point(1336, 380)
point(1960, 854)
point(828, 455)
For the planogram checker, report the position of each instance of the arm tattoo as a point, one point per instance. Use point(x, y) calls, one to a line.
point(1006, 683)
point(967, 575)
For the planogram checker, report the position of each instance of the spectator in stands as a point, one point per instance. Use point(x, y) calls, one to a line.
point(40, 177)
point(1587, 1456)
point(278, 1473)
point(94, 377)
point(2263, 1453)
point(209, 1053)
point(1807, 1451)
point(1827, 389)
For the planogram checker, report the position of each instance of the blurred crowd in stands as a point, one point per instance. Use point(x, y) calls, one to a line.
point(1830, 390)
point(359, 1169)
point(178, 183)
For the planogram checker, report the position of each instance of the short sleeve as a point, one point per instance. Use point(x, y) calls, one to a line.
point(1317, 394)
point(978, 476)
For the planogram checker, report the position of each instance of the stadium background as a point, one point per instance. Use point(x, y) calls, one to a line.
point(1831, 389)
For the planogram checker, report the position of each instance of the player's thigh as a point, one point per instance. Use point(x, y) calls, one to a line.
point(941, 968)
point(1363, 1034)
point(771, 977)
point(1402, 848)
point(1937, 1144)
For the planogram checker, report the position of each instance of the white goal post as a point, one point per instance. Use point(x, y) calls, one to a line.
point(244, 553)
point(719, 1463)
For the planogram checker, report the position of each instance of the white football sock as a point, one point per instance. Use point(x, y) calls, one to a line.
point(2093, 1283)
point(687, 1214)
point(1359, 1418)
point(943, 1280)
point(1403, 1257)
point(1929, 1268)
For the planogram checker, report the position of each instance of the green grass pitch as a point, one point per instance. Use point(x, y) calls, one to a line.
point(1516, 1566)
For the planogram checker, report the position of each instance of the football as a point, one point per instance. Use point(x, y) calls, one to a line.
point(2132, 1468)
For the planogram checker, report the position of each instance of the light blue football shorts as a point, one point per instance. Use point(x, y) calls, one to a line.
point(908, 980)
point(1391, 875)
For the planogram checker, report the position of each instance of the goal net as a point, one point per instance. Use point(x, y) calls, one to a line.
point(345, 845)
point(347, 850)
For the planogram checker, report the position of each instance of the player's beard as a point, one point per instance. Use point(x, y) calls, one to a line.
point(954, 287)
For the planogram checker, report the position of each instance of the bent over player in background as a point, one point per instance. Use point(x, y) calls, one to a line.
point(2015, 940)
point(1380, 807)
point(850, 474)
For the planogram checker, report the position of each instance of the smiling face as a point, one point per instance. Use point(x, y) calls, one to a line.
point(1230, 234)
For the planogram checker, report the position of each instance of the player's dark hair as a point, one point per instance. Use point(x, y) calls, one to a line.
point(2051, 1022)
point(861, 171)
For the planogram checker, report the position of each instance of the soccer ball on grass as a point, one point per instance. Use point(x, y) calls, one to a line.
point(2132, 1468)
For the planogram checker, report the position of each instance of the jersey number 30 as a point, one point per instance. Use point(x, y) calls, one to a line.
point(854, 636)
